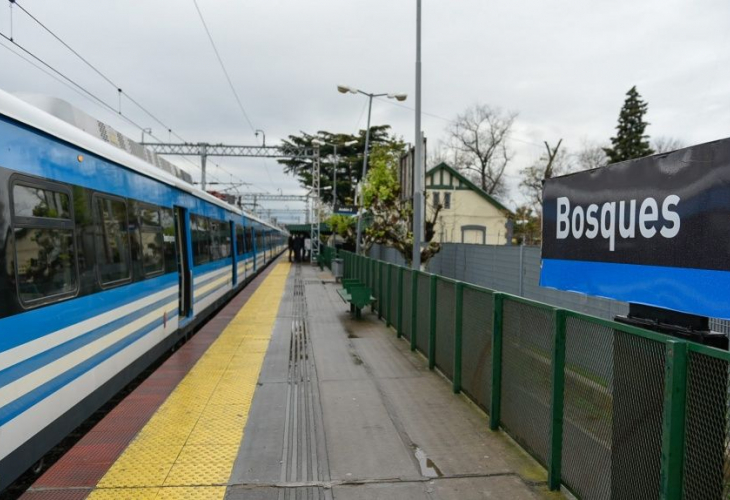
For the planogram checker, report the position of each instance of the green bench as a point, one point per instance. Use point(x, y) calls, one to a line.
point(357, 294)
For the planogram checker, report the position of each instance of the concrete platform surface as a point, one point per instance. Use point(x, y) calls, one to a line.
point(344, 410)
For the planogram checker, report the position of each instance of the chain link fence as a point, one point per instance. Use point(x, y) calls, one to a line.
point(445, 326)
point(423, 312)
point(407, 298)
point(612, 411)
point(707, 455)
point(476, 351)
point(527, 376)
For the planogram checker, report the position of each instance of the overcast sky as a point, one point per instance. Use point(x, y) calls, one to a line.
point(563, 65)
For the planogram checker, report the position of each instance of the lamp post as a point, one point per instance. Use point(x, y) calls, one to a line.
point(418, 201)
point(344, 89)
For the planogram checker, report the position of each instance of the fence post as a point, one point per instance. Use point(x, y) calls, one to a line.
point(556, 408)
point(388, 295)
point(399, 327)
point(458, 325)
point(432, 323)
point(414, 308)
point(673, 427)
point(381, 302)
point(495, 407)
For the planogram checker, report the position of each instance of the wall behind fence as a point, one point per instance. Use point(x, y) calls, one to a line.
point(515, 270)
point(510, 269)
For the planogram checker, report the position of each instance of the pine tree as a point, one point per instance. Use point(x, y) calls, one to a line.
point(630, 141)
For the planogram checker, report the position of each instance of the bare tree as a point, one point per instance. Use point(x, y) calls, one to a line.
point(479, 137)
point(444, 154)
point(665, 144)
point(590, 156)
point(553, 162)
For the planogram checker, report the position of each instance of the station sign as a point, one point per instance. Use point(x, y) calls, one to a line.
point(346, 210)
point(652, 231)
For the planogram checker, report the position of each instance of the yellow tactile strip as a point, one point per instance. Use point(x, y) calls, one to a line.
point(188, 447)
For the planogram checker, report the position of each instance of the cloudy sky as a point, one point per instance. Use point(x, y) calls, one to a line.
point(563, 65)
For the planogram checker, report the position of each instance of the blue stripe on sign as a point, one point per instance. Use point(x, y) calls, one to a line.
point(31, 364)
point(12, 410)
point(695, 291)
point(37, 323)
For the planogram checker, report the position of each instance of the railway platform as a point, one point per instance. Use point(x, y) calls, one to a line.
point(283, 395)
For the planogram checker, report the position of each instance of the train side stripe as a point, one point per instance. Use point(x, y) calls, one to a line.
point(24, 385)
point(55, 338)
point(210, 274)
point(31, 398)
point(31, 364)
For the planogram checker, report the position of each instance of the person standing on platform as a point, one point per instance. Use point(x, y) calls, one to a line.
point(307, 249)
point(291, 246)
point(298, 248)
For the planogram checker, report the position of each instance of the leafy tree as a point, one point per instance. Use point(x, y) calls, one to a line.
point(348, 164)
point(527, 226)
point(630, 140)
point(387, 220)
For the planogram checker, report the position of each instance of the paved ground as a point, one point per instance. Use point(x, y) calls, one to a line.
point(344, 410)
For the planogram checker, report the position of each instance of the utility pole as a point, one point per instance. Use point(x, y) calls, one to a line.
point(203, 164)
point(418, 160)
point(362, 178)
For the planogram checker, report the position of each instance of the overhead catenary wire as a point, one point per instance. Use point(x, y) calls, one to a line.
point(78, 88)
point(67, 81)
point(229, 80)
point(449, 120)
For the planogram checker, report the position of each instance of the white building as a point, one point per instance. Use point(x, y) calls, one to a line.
point(469, 214)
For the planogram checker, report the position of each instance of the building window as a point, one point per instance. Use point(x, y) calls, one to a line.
point(112, 241)
point(45, 260)
point(447, 200)
point(436, 199)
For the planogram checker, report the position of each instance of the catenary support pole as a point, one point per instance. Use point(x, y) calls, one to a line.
point(417, 188)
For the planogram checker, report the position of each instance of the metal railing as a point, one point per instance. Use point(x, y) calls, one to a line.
point(612, 411)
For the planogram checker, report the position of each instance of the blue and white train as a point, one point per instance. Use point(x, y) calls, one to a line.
point(106, 261)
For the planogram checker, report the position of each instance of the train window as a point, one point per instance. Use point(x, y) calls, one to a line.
point(168, 238)
point(249, 239)
point(152, 242)
point(44, 244)
point(200, 229)
point(31, 201)
point(112, 240)
point(240, 245)
point(221, 233)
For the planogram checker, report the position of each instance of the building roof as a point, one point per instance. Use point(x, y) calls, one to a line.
point(467, 183)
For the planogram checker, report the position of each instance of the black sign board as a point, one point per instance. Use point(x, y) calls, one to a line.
point(653, 231)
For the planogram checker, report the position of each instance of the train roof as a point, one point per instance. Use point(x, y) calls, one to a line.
point(23, 112)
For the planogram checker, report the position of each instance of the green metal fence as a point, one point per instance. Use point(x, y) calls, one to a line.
point(612, 411)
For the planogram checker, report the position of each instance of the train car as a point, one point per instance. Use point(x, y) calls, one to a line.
point(106, 261)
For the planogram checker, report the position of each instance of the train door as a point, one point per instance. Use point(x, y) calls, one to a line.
point(183, 262)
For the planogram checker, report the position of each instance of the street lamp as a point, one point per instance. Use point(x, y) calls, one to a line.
point(345, 89)
point(262, 133)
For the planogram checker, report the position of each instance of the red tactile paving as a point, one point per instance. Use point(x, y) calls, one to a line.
point(87, 462)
